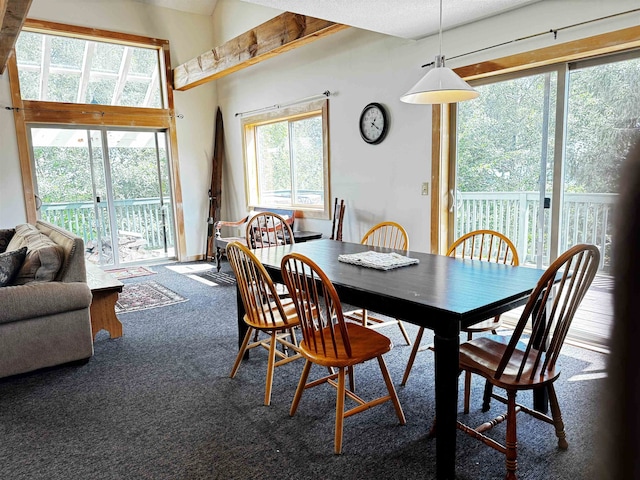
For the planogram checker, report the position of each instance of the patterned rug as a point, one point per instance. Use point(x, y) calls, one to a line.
point(146, 295)
point(130, 272)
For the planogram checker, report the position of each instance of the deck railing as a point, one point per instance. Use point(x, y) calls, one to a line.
point(143, 216)
point(585, 218)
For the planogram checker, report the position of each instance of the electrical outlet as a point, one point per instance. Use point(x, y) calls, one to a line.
point(425, 188)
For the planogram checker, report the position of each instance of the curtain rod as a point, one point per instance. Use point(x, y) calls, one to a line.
point(554, 31)
point(324, 94)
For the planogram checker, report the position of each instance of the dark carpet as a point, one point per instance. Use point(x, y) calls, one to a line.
point(158, 404)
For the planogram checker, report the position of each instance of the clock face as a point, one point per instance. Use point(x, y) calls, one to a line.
point(373, 123)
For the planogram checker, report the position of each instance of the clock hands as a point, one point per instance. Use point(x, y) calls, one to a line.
point(373, 124)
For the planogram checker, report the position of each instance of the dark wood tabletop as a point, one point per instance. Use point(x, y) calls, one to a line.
point(440, 293)
point(438, 290)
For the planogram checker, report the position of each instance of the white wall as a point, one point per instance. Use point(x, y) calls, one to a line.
point(378, 182)
point(189, 35)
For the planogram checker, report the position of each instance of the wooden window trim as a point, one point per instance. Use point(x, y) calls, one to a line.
point(443, 154)
point(30, 111)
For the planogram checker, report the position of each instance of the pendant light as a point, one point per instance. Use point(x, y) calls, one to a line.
point(440, 84)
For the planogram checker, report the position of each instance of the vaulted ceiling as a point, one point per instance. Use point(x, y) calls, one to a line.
point(399, 18)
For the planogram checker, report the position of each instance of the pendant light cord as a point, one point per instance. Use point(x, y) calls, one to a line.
point(440, 51)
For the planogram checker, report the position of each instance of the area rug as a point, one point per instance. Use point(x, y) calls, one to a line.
point(221, 278)
point(146, 295)
point(130, 272)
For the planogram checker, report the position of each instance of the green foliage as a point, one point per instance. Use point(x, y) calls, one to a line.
point(133, 94)
point(134, 173)
point(101, 90)
point(67, 52)
point(604, 108)
point(290, 159)
point(144, 61)
point(308, 154)
point(107, 58)
point(64, 173)
point(273, 157)
point(29, 48)
point(500, 134)
point(29, 84)
point(63, 87)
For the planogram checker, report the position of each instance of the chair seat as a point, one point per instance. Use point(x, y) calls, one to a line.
point(483, 355)
point(365, 345)
point(278, 323)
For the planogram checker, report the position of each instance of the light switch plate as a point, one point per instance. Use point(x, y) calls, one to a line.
point(425, 188)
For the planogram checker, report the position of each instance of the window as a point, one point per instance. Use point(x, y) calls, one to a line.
point(287, 159)
point(58, 68)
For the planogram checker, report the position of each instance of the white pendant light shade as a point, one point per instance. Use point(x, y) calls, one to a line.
point(440, 85)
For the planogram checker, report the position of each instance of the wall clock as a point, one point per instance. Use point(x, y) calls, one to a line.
point(374, 123)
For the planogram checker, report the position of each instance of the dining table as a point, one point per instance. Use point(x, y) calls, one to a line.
point(440, 293)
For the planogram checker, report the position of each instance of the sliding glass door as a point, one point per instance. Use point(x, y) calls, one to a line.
point(109, 186)
point(505, 142)
point(538, 156)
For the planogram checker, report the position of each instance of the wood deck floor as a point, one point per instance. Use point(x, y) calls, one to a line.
point(592, 324)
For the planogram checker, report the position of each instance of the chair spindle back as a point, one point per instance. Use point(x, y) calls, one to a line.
point(487, 245)
point(551, 307)
point(387, 234)
point(267, 229)
point(317, 305)
point(257, 290)
point(338, 217)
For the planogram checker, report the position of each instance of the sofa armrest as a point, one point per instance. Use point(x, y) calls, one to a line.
point(37, 299)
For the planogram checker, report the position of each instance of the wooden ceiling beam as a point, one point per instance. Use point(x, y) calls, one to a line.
point(278, 35)
point(12, 16)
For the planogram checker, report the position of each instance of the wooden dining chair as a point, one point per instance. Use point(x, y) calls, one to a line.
point(338, 217)
point(518, 363)
point(331, 342)
point(265, 313)
point(268, 229)
point(488, 246)
point(388, 235)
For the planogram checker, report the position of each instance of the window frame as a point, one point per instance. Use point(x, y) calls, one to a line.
point(294, 112)
point(46, 112)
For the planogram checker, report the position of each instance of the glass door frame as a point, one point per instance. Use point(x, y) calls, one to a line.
point(108, 183)
point(554, 220)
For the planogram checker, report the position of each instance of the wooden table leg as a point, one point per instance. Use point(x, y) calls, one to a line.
point(447, 352)
point(103, 314)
